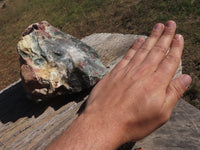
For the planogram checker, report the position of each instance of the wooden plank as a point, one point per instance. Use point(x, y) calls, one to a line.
point(181, 132)
point(26, 125)
point(29, 125)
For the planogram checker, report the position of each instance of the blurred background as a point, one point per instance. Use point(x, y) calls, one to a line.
point(84, 17)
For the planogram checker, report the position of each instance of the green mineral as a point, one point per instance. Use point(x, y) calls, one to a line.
point(55, 63)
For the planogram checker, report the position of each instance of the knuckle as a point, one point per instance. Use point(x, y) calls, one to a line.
point(127, 57)
point(154, 34)
point(160, 49)
point(169, 31)
point(172, 58)
point(133, 48)
point(178, 91)
point(143, 69)
point(135, 45)
point(144, 49)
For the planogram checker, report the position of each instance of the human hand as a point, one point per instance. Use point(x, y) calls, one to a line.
point(135, 98)
point(138, 95)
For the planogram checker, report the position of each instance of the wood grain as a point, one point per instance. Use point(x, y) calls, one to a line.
point(26, 125)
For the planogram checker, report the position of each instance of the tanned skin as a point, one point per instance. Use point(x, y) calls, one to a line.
point(134, 99)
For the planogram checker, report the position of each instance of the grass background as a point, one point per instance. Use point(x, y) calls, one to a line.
point(84, 17)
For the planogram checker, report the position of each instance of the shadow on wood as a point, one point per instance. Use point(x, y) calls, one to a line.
point(14, 104)
point(25, 124)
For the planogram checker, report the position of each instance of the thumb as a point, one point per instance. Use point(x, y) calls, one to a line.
point(176, 89)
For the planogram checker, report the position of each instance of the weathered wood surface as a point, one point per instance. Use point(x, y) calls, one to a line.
point(28, 125)
point(181, 132)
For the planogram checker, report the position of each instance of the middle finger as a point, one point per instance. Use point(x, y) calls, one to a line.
point(159, 51)
point(147, 45)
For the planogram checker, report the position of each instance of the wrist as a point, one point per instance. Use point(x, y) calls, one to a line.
point(104, 132)
point(91, 130)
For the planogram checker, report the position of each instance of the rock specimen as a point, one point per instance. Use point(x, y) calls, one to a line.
point(54, 63)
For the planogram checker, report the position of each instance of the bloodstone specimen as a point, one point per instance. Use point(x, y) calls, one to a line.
point(54, 63)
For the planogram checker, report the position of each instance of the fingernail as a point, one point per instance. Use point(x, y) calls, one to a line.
point(186, 80)
point(170, 24)
point(158, 26)
point(178, 37)
point(140, 40)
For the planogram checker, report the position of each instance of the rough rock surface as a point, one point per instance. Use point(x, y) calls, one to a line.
point(54, 63)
